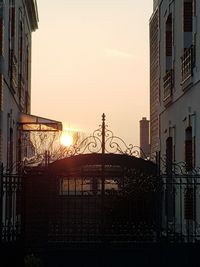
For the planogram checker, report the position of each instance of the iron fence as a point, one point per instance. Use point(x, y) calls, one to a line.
point(10, 205)
point(180, 207)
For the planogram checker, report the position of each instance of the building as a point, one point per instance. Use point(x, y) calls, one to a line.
point(144, 138)
point(174, 99)
point(18, 20)
point(175, 79)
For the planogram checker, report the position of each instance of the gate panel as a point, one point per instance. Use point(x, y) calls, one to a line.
point(92, 198)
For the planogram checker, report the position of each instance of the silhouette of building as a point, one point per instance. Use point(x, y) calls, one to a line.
point(144, 138)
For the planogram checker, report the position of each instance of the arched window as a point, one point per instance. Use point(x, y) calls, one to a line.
point(188, 149)
point(168, 79)
point(187, 22)
point(168, 43)
point(169, 154)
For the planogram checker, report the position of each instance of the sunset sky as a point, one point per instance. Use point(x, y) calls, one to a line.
point(91, 57)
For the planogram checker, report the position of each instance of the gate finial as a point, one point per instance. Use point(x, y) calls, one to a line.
point(103, 133)
point(103, 117)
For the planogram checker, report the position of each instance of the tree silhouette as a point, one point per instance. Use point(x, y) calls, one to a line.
point(46, 146)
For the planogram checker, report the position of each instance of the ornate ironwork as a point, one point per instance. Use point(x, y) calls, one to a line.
point(176, 168)
point(104, 141)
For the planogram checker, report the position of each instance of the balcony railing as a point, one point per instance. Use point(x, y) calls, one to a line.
point(187, 63)
point(168, 84)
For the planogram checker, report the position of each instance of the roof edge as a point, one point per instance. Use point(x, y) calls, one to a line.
point(32, 10)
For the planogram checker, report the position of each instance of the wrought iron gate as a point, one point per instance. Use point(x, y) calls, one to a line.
point(10, 205)
point(92, 198)
point(100, 191)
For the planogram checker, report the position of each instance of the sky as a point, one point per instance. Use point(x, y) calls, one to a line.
point(91, 57)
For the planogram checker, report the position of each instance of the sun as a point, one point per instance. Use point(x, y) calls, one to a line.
point(66, 139)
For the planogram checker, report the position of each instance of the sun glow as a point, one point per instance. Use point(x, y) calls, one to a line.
point(66, 139)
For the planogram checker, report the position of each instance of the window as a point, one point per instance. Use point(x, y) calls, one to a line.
point(168, 36)
point(169, 154)
point(168, 79)
point(188, 23)
point(76, 186)
point(11, 19)
point(168, 43)
point(73, 186)
point(187, 13)
point(189, 160)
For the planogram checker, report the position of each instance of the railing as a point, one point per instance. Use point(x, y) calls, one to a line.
point(10, 206)
point(11, 183)
point(168, 84)
point(187, 63)
point(181, 200)
point(181, 217)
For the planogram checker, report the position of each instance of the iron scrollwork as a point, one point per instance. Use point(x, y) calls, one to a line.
point(103, 141)
point(177, 168)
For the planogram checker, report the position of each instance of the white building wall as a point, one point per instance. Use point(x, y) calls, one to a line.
point(17, 100)
point(185, 102)
point(183, 108)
